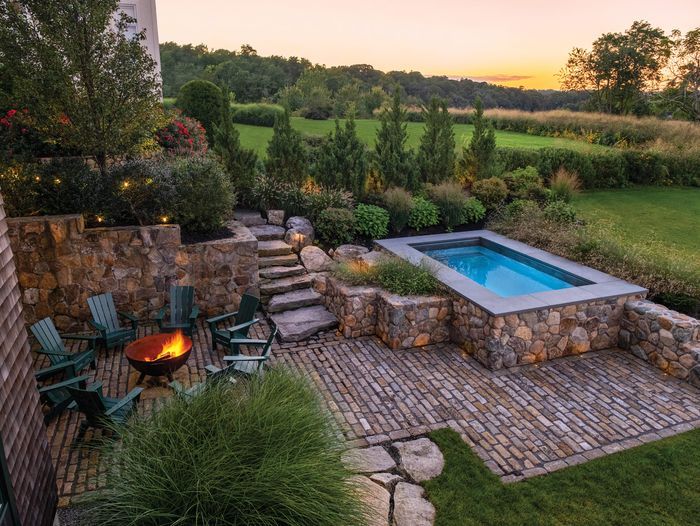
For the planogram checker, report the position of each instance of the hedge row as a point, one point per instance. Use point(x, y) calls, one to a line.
point(256, 114)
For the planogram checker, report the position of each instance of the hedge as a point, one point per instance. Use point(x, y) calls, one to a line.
point(256, 114)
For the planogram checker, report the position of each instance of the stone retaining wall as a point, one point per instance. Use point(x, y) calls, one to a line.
point(665, 338)
point(60, 264)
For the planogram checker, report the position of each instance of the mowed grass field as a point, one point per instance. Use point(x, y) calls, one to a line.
point(257, 137)
point(667, 219)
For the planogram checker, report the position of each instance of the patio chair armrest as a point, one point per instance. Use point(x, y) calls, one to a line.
point(133, 319)
point(98, 326)
point(90, 338)
point(246, 341)
point(244, 358)
point(134, 394)
point(66, 383)
point(221, 317)
point(194, 313)
point(161, 314)
point(242, 325)
point(54, 353)
point(95, 386)
point(67, 367)
point(177, 387)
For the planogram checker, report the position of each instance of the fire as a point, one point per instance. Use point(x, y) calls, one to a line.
point(172, 347)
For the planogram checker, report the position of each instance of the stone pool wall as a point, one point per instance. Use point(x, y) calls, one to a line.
point(60, 263)
point(533, 336)
point(664, 338)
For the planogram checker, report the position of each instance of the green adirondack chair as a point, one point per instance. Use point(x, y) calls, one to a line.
point(243, 364)
point(56, 396)
point(183, 311)
point(101, 411)
point(243, 319)
point(105, 319)
point(52, 346)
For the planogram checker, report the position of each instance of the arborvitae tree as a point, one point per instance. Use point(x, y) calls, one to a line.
point(342, 160)
point(286, 157)
point(238, 161)
point(394, 162)
point(480, 155)
point(436, 155)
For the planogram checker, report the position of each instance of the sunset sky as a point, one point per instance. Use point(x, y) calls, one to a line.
point(508, 42)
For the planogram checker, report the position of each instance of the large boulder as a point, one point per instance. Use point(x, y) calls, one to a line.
point(368, 460)
point(300, 233)
point(348, 253)
point(410, 508)
point(420, 459)
point(275, 217)
point(372, 258)
point(315, 259)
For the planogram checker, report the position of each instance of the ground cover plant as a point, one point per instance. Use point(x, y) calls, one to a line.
point(654, 484)
point(393, 274)
point(261, 452)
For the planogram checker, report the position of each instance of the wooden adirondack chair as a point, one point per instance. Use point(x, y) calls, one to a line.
point(101, 411)
point(105, 319)
point(52, 345)
point(183, 311)
point(243, 364)
point(56, 396)
point(243, 319)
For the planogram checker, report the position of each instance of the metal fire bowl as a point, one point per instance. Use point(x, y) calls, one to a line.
point(149, 346)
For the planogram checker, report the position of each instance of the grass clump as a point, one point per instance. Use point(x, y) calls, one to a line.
point(261, 452)
point(399, 203)
point(564, 185)
point(392, 274)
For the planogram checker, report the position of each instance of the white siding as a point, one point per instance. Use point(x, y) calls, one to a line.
point(144, 11)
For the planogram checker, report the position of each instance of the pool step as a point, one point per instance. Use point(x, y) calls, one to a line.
point(275, 247)
point(295, 299)
point(267, 232)
point(300, 324)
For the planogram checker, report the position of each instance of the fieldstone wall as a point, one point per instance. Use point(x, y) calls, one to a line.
point(664, 338)
point(355, 307)
point(60, 264)
point(534, 336)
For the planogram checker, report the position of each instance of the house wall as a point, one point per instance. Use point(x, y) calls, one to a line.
point(144, 11)
point(21, 420)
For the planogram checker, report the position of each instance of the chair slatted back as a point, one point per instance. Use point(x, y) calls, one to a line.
point(248, 306)
point(181, 303)
point(46, 334)
point(103, 311)
point(267, 351)
point(90, 404)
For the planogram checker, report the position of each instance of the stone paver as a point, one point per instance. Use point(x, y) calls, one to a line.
point(420, 459)
point(368, 460)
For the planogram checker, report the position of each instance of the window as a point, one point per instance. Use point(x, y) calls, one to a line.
point(130, 10)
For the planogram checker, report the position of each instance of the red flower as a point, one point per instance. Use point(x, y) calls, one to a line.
point(11, 113)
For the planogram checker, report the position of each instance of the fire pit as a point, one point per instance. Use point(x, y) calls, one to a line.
point(159, 354)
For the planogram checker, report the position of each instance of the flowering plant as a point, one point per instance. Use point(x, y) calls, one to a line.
point(183, 136)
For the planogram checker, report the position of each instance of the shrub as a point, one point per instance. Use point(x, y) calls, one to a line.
point(393, 274)
point(520, 208)
point(480, 155)
point(473, 211)
point(521, 180)
point(263, 451)
point(394, 161)
point(564, 185)
point(450, 200)
point(371, 221)
point(204, 194)
point(335, 226)
point(560, 212)
point(491, 192)
point(293, 200)
point(399, 203)
point(267, 192)
point(320, 198)
point(552, 159)
point(436, 153)
point(256, 114)
point(424, 214)
point(182, 136)
point(201, 100)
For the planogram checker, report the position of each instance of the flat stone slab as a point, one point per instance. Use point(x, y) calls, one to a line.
point(280, 286)
point(376, 499)
point(347, 253)
point(368, 460)
point(249, 217)
point(276, 261)
point(267, 232)
point(294, 300)
point(420, 459)
point(281, 271)
point(410, 508)
point(299, 324)
point(387, 480)
point(273, 248)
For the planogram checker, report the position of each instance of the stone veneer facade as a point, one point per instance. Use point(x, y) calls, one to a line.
point(61, 263)
point(21, 421)
point(665, 338)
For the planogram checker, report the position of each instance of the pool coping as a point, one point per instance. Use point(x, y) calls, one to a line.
point(603, 286)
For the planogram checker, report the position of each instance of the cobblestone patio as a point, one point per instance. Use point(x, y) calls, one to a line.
point(521, 422)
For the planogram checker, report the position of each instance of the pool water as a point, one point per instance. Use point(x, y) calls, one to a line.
point(497, 272)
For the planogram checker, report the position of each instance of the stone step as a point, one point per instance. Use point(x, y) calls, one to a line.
point(280, 286)
point(249, 217)
point(273, 248)
point(299, 324)
point(267, 232)
point(281, 272)
point(294, 300)
point(289, 260)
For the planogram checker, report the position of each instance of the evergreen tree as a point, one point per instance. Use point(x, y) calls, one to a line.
point(286, 157)
point(394, 162)
point(342, 160)
point(480, 155)
point(238, 161)
point(436, 155)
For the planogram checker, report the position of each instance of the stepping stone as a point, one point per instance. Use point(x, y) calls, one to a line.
point(299, 324)
point(368, 460)
point(249, 217)
point(267, 232)
point(273, 248)
point(375, 498)
point(386, 480)
point(420, 459)
point(410, 508)
point(294, 300)
point(280, 286)
point(281, 272)
point(288, 260)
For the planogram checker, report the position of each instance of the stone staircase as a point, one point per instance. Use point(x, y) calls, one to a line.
point(286, 288)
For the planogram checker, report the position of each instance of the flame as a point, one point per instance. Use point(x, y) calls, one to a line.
point(172, 347)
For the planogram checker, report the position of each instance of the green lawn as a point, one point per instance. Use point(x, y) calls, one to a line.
point(257, 137)
point(667, 218)
point(654, 484)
